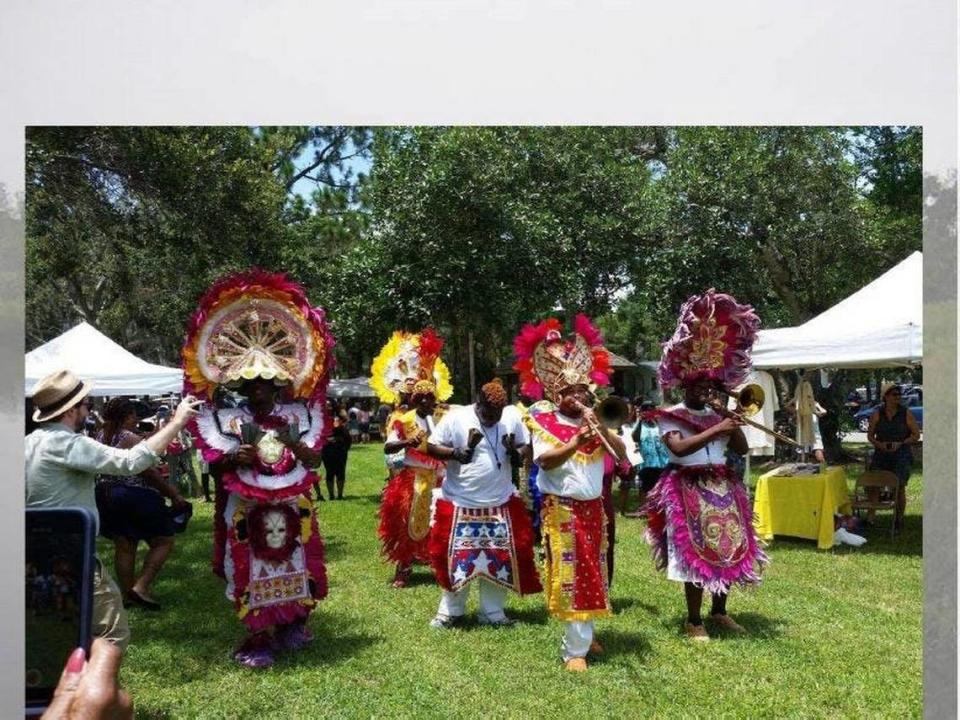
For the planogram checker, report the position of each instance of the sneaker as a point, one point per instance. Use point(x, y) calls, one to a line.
point(501, 622)
point(727, 623)
point(576, 664)
point(697, 633)
point(255, 652)
point(292, 637)
point(255, 658)
point(441, 622)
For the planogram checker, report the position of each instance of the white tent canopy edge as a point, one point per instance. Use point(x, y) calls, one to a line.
point(880, 325)
point(92, 356)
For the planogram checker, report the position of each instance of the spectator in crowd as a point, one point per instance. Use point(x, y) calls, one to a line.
point(132, 509)
point(654, 454)
point(334, 455)
point(363, 420)
point(205, 479)
point(892, 430)
point(383, 414)
point(180, 457)
point(61, 465)
point(353, 422)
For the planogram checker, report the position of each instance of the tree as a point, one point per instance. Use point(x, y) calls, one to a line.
point(480, 229)
point(126, 227)
point(780, 217)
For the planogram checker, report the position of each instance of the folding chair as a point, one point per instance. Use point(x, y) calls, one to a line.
point(882, 480)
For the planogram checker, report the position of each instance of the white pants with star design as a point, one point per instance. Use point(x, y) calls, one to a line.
point(492, 599)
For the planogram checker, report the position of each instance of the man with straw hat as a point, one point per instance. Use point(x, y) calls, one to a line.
point(62, 464)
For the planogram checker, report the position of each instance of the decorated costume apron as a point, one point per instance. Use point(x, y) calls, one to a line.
point(700, 522)
point(267, 544)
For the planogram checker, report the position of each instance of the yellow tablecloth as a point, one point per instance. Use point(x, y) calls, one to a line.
point(801, 506)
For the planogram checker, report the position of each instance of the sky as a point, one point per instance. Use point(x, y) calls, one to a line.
point(305, 187)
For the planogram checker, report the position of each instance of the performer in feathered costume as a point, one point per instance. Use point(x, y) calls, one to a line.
point(700, 523)
point(409, 367)
point(255, 332)
point(571, 459)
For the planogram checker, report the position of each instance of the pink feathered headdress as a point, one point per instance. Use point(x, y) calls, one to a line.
point(548, 363)
point(713, 340)
point(257, 324)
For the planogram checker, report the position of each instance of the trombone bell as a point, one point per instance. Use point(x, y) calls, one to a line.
point(750, 399)
point(613, 412)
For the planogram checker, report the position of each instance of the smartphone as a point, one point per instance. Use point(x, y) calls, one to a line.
point(59, 596)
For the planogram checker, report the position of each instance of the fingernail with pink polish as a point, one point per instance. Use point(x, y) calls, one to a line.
point(75, 663)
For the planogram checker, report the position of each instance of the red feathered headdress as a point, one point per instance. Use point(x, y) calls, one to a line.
point(548, 363)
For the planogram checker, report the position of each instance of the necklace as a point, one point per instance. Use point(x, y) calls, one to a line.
point(493, 445)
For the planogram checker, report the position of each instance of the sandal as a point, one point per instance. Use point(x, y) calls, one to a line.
point(402, 578)
point(134, 598)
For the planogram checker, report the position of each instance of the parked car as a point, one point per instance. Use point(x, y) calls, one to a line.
point(913, 402)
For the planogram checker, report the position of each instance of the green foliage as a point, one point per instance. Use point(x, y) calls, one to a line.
point(483, 228)
point(472, 229)
point(127, 226)
point(834, 633)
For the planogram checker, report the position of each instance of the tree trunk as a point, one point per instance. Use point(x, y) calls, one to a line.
point(473, 377)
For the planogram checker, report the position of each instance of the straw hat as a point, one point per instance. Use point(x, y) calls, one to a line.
point(887, 387)
point(57, 393)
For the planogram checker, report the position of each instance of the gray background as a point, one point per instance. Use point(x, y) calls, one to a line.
point(757, 62)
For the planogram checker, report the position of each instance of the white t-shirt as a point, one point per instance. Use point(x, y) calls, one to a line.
point(630, 445)
point(478, 483)
point(572, 479)
point(713, 453)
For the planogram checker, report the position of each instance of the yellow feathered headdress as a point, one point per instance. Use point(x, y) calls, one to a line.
point(405, 359)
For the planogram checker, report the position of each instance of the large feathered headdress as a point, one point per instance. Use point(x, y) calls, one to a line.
point(256, 324)
point(548, 363)
point(713, 340)
point(406, 359)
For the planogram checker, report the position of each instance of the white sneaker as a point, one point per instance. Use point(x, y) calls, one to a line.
point(855, 540)
point(848, 538)
point(443, 622)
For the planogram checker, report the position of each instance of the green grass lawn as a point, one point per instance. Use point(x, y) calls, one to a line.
point(831, 634)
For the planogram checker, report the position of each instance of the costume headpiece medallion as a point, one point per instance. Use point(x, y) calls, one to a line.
point(256, 324)
point(713, 341)
point(548, 363)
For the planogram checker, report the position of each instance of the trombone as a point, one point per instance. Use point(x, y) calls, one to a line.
point(750, 399)
point(612, 412)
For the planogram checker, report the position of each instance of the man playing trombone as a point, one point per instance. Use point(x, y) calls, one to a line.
point(569, 445)
point(699, 517)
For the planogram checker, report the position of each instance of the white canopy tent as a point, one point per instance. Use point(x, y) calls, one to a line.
point(880, 325)
point(358, 387)
point(92, 356)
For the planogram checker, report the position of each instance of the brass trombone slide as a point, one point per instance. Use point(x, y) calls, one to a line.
point(595, 426)
point(749, 401)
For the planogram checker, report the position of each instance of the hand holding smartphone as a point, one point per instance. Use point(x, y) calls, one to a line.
point(59, 596)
